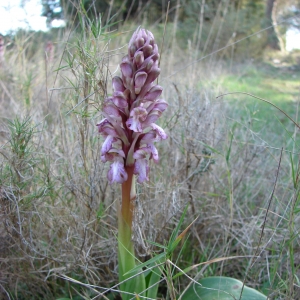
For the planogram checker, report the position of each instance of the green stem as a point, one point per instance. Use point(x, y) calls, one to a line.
point(126, 248)
point(128, 197)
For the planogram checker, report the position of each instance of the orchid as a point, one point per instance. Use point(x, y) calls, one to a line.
point(130, 132)
point(131, 112)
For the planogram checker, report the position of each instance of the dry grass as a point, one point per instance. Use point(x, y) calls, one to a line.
point(58, 212)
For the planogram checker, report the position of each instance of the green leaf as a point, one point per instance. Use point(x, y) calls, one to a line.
point(293, 171)
point(157, 244)
point(222, 288)
point(152, 280)
point(173, 242)
point(60, 68)
point(149, 262)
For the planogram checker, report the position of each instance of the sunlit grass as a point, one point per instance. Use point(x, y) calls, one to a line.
point(277, 85)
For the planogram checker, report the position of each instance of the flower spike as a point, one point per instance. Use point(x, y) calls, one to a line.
point(131, 112)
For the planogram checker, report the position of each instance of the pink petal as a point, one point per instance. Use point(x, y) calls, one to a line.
point(139, 42)
point(140, 79)
point(107, 157)
point(160, 105)
point(126, 68)
point(156, 109)
point(151, 37)
point(118, 85)
point(149, 64)
point(111, 112)
point(141, 169)
point(117, 172)
point(112, 154)
point(131, 50)
point(101, 124)
point(151, 118)
point(153, 93)
point(141, 153)
point(107, 144)
point(106, 128)
point(143, 33)
point(148, 137)
point(148, 50)
point(119, 99)
point(153, 74)
point(139, 58)
point(155, 50)
point(161, 133)
point(154, 153)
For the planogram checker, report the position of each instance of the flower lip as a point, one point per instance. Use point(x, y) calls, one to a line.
point(141, 167)
point(160, 132)
point(137, 116)
point(117, 172)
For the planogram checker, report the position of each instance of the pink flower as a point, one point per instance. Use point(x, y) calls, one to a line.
point(131, 112)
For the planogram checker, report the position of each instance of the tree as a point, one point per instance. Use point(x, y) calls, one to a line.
point(52, 9)
point(274, 39)
point(119, 10)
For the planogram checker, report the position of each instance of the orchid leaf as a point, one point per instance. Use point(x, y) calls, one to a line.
point(221, 288)
point(152, 280)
